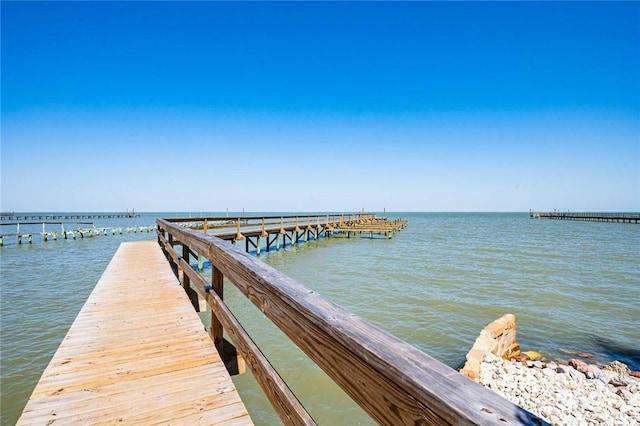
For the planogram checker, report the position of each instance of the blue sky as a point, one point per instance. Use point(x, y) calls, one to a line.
point(418, 106)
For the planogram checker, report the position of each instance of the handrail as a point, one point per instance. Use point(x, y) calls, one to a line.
point(350, 216)
point(218, 222)
point(392, 381)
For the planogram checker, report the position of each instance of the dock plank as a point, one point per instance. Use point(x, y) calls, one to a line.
point(136, 354)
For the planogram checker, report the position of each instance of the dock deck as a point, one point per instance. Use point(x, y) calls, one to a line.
point(136, 354)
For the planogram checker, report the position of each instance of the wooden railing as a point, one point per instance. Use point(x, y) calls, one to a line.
point(223, 227)
point(392, 381)
point(273, 230)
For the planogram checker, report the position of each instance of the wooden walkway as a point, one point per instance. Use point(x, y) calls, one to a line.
point(136, 354)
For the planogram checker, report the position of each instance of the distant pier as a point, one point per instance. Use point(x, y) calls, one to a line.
point(591, 217)
point(12, 216)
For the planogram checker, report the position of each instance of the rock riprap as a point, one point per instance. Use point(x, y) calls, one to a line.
point(574, 394)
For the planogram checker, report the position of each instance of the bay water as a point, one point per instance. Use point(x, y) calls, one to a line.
point(573, 286)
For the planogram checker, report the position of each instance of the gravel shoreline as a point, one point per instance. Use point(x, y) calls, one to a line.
point(576, 394)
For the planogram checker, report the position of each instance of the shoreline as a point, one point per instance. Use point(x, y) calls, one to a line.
point(574, 394)
point(560, 392)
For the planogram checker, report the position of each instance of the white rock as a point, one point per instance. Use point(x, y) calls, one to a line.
point(576, 375)
point(562, 395)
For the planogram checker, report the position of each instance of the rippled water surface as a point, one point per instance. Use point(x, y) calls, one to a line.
point(573, 286)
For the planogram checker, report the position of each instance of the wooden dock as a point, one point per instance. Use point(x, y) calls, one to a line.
point(264, 232)
point(139, 354)
point(136, 354)
point(589, 217)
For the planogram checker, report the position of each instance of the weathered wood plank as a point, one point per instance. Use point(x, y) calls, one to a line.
point(137, 353)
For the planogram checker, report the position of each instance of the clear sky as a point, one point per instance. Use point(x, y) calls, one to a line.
point(419, 106)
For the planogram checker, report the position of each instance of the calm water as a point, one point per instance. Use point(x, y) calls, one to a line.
point(573, 286)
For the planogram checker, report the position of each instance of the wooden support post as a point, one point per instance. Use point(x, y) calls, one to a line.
point(296, 232)
point(200, 262)
point(186, 281)
point(216, 331)
point(283, 233)
point(258, 246)
point(239, 236)
point(174, 266)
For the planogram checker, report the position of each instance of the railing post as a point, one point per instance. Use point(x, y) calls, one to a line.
point(296, 231)
point(186, 281)
point(216, 331)
point(174, 266)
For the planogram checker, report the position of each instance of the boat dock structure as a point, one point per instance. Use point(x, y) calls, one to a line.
point(589, 217)
point(268, 232)
point(138, 352)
